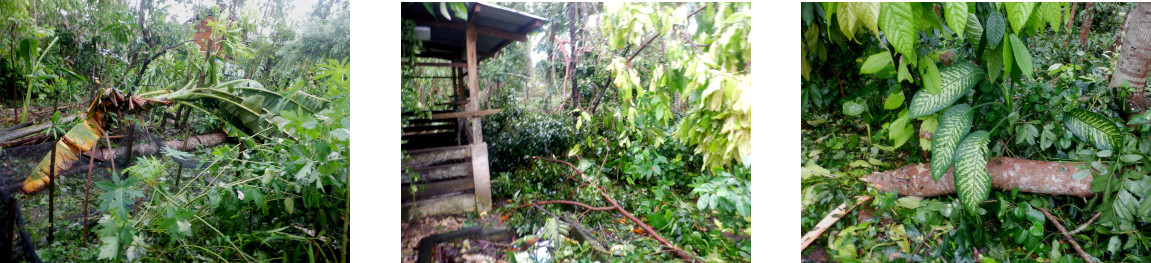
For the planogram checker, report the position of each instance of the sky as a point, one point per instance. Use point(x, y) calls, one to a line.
point(183, 12)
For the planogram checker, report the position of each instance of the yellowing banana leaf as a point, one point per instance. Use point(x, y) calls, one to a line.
point(80, 139)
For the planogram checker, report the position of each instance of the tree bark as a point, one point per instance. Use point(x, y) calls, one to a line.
point(1007, 173)
point(1070, 21)
point(574, 56)
point(1085, 27)
point(1134, 62)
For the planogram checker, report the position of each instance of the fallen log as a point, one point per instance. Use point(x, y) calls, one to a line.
point(22, 125)
point(33, 129)
point(34, 139)
point(1007, 173)
point(193, 142)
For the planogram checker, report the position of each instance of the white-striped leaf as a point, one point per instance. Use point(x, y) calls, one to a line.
point(957, 80)
point(972, 182)
point(1094, 128)
point(955, 124)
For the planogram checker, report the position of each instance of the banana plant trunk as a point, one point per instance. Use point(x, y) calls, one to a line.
point(1135, 57)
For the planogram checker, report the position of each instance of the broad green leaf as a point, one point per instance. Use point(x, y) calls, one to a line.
point(993, 59)
point(904, 73)
point(1008, 58)
point(952, 128)
point(110, 247)
point(972, 182)
point(1094, 128)
point(852, 15)
point(1130, 158)
point(852, 108)
point(930, 75)
point(1022, 56)
point(909, 202)
point(876, 62)
point(899, 23)
point(995, 29)
point(1018, 13)
point(974, 30)
point(894, 101)
point(899, 131)
point(926, 128)
point(1052, 14)
point(957, 79)
point(1141, 118)
point(829, 10)
point(1081, 174)
point(956, 15)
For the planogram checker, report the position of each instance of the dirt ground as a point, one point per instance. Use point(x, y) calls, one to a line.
point(478, 250)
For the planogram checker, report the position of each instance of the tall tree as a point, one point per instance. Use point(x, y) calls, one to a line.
point(1135, 58)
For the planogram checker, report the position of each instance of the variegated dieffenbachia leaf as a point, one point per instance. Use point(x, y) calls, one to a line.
point(955, 124)
point(957, 80)
point(1094, 128)
point(972, 182)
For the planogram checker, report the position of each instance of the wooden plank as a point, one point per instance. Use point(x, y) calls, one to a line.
point(433, 64)
point(429, 128)
point(424, 157)
point(465, 114)
point(480, 178)
point(428, 141)
point(437, 188)
point(440, 172)
point(454, 204)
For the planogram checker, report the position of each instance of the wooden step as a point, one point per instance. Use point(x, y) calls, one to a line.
point(436, 188)
point(449, 126)
point(453, 204)
point(426, 157)
point(440, 172)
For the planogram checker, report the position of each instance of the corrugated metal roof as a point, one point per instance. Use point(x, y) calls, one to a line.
point(498, 27)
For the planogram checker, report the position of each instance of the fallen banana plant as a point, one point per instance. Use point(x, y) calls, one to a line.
point(244, 104)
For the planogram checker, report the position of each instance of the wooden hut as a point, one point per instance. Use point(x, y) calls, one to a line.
point(447, 150)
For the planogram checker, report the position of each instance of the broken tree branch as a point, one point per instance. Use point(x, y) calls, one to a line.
point(1084, 225)
point(655, 235)
point(829, 220)
point(1059, 226)
point(1007, 173)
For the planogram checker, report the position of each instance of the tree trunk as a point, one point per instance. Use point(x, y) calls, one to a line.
point(572, 63)
point(1085, 27)
point(1135, 58)
point(1007, 173)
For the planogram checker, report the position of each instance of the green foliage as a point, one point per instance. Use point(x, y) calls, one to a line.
point(898, 22)
point(953, 127)
point(972, 182)
point(1094, 128)
point(957, 80)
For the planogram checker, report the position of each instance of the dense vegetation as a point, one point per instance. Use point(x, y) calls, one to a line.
point(278, 190)
point(656, 119)
point(889, 85)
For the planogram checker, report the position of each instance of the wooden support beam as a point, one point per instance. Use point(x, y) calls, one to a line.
point(473, 82)
point(437, 188)
point(487, 31)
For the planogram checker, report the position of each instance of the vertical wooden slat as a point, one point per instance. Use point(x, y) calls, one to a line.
point(480, 179)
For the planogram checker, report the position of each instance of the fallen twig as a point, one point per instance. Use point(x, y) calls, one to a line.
point(829, 220)
point(1059, 226)
point(1084, 225)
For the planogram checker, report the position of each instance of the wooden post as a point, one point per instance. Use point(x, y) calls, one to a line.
point(473, 83)
point(480, 177)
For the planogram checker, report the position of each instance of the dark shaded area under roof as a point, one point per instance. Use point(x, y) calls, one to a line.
point(497, 27)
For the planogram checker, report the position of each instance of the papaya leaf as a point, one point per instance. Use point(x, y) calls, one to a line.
point(972, 182)
point(957, 79)
point(1094, 128)
point(952, 128)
